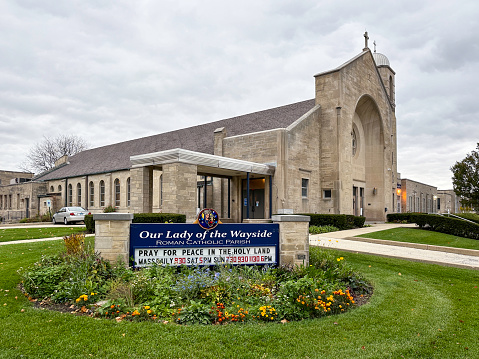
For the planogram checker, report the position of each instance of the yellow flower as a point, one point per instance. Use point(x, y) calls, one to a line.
point(147, 307)
point(148, 311)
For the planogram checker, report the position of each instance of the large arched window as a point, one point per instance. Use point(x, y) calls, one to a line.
point(92, 194)
point(354, 142)
point(79, 195)
point(128, 191)
point(70, 195)
point(59, 188)
point(117, 193)
point(102, 193)
point(52, 189)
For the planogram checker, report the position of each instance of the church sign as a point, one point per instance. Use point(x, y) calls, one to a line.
point(191, 244)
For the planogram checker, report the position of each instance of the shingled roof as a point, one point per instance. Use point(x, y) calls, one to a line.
point(199, 138)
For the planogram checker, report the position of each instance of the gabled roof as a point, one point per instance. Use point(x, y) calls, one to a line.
point(199, 138)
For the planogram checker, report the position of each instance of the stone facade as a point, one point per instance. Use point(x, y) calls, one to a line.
point(293, 239)
point(112, 235)
point(418, 197)
point(448, 202)
point(23, 200)
point(336, 156)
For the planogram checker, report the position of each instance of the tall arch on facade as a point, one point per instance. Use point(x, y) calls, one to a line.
point(368, 160)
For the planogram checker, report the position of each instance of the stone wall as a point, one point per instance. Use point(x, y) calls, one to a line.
point(418, 197)
point(293, 239)
point(112, 235)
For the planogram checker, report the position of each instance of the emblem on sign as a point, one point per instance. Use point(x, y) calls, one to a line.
point(208, 219)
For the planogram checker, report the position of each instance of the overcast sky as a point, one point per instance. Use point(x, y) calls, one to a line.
point(111, 71)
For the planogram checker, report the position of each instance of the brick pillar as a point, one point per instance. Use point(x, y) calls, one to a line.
point(112, 235)
point(141, 190)
point(179, 189)
point(293, 239)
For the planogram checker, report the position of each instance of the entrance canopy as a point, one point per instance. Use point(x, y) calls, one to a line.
point(206, 163)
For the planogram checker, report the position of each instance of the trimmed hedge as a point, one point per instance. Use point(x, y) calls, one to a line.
point(159, 218)
point(434, 222)
point(142, 218)
point(89, 223)
point(341, 221)
point(470, 216)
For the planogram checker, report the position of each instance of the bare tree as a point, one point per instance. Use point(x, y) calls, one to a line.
point(42, 156)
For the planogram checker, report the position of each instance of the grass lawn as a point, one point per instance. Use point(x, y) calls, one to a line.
point(16, 234)
point(417, 311)
point(422, 236)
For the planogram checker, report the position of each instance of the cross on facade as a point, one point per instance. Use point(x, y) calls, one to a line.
point(366, 38)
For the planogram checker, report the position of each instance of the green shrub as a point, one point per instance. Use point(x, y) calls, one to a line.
point(322, 229)
point(434, 222)
point(89, 223)
point(470, 216)
point(109, 209)
point(359, 221)
point(159, 218)
point(142, 218)
point(341, 221)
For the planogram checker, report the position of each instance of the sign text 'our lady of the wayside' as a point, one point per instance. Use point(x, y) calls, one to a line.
point(205, 242)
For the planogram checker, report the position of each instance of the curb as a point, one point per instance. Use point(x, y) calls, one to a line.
point(37, 240)
point(446, 264)
point(467, 252)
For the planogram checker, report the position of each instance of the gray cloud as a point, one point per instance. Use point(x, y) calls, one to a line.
point(94, 67)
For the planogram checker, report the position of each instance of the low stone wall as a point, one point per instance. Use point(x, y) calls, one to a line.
point(293, 239)
point(112, 235)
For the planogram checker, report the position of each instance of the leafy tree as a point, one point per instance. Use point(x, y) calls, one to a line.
point(42, 156)
point(465, 179)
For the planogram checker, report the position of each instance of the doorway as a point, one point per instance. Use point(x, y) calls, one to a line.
point(358, 201)
point(256, 198)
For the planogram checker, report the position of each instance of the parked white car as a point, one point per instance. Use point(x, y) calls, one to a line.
point(70, 215)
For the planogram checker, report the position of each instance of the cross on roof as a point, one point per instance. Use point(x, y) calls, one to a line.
point(374, 45)
point(366, 38)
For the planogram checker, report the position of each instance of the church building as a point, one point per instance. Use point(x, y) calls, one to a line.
point(334, 153)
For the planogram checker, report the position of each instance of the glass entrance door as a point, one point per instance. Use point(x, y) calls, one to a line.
point(256, 199)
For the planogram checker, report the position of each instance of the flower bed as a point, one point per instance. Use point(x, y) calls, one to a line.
point(194, 295)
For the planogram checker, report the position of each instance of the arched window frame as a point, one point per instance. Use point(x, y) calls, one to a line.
point(117, 193)
point(79, 194)
point(102, 193)
point(70, 195)
point(91, 194)
point(128, 189)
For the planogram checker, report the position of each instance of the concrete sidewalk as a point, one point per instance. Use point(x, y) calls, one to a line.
point(345, 240)
point(37, 240)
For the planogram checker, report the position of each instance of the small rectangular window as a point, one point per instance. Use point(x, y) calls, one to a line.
point(327, 193)
point(304, 187)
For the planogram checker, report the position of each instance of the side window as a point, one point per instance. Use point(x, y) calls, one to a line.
point(102, 193)
point(304, 187)
point(117, 193)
